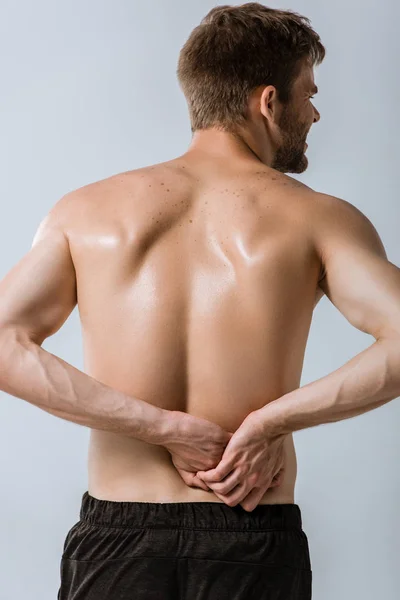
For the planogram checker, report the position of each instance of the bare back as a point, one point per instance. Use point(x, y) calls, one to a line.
point(196, 287)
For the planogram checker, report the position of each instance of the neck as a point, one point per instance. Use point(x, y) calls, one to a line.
point(221, 144)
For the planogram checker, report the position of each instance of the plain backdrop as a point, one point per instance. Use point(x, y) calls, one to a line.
point(88, 89)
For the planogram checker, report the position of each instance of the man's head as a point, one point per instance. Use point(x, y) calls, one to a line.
point(248, 71)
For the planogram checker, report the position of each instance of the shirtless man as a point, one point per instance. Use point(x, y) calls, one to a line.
point(196, 281)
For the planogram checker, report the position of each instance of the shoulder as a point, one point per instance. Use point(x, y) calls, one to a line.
point(338, 218)
point(91, 198)
point(339, 229)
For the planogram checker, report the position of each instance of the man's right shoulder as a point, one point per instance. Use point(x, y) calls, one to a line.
point(78, 203)
point(95, 189)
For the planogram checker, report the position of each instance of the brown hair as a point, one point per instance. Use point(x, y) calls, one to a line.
point(235, 49)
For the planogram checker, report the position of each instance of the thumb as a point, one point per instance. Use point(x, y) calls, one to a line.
point(205, 475)
point(199, 482)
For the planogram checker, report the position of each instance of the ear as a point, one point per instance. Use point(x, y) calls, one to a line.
point(270, 107)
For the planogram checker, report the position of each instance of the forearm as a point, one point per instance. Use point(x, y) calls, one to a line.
point(370, 379)
point(29, 372)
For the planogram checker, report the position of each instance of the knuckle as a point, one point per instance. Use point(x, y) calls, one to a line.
point(210, 463)
point(231, 502)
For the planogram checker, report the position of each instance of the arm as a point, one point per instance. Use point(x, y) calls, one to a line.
point(365, 287)
point(37, 296)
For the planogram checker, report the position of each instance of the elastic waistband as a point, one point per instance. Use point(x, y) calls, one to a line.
point(193, 515)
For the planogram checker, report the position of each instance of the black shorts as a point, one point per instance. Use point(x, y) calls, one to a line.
point(185, 551)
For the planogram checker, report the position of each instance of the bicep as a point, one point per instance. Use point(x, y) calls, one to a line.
point(358, 278)
point(39, 292)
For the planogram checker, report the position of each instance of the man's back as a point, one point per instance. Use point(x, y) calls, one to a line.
point(196, 283)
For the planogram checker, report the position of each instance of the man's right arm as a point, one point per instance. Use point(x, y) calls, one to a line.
point(365, 287)
point(37, 295)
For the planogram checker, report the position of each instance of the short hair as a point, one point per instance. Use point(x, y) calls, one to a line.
point(234, 50)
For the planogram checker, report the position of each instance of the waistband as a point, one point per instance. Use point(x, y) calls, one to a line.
point(193, 515)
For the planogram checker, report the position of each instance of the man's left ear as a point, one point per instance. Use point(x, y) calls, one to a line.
point(270, 106)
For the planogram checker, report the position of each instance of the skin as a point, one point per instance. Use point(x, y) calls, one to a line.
point(196, 281)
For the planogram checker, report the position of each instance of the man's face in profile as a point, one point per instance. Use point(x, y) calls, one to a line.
point(290, 156)
point(295, 121)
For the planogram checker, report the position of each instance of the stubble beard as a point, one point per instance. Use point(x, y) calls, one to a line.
point(290, 156)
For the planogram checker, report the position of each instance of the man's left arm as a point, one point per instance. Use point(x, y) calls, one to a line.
point(365, 287)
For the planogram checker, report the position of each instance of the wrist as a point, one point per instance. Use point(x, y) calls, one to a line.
point(163, 427)
point(271, 420)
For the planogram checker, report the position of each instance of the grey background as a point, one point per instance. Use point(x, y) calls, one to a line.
point(89, 90)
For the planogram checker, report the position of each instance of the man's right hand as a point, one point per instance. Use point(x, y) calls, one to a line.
point(195, 444)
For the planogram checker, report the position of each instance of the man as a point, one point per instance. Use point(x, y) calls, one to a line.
point(196, 281)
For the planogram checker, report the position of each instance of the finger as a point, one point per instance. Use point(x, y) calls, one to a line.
point(224, 499)
point(240, 492)
point(191, 480)
point(199, 483)
point(236, 495)
point(227, 484)
point(277, 479)
point(218, 473)
point(252, 499)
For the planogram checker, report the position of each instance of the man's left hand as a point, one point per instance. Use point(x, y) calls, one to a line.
point(253, 461)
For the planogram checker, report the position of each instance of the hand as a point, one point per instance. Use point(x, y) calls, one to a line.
point(195, 444)
point(253, 462)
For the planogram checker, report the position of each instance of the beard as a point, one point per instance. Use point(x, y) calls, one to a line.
point(290, 155)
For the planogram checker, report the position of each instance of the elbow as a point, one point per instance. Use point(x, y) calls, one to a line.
point(12, 340)
point(9, 335)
